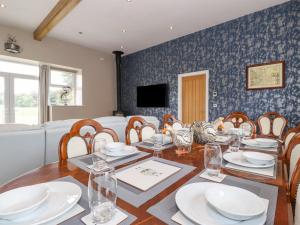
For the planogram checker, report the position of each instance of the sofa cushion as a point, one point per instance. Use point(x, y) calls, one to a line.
point(110, 119)
point(10, 127)
point(60, 123)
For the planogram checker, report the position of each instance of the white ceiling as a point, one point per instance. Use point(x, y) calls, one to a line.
point(146, 22)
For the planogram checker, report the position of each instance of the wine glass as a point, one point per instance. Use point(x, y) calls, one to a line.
point(213, 159)
point(102, 193)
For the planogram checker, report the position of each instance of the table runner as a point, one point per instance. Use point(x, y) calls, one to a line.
point(83, 161)
point(83, 202)
point(166, 208)
point(137, 197)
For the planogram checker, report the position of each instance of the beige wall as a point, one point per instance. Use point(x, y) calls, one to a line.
point(99, 91)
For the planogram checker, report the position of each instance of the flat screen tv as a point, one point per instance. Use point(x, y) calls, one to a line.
point(152, 96)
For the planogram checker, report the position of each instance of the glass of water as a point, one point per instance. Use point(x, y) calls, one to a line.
point(234, 145)
point(98, 147)
point(157, 143)
point(213, 159)
point(102, 193)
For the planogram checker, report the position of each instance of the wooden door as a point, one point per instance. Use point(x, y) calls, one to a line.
point(193, 98)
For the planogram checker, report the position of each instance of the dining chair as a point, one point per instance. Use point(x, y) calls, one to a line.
point(288, 137)
point(239, 120)
point(79, 139)
point(109, 135)
point(138, 130)
point(292, 154)
point(170, 120)
point(272, 124)
point(297, 208)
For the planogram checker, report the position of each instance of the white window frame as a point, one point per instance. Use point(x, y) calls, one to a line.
point(9, 98)
point(74, 83)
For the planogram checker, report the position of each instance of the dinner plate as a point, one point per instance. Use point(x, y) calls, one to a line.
point(266, 141)
point(255, 143)
point(62, 197)
point(21, 200)
point(237, 158)
point(127, 150)
point(190, 199)
point(235, 203)
point(258, 157)
point(114, 146)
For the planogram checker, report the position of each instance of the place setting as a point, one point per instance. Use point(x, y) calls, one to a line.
point(113, 153)
point(259, 163)
point(40, 204)
point(66, 201)
point(217, 199)
point(263, 144)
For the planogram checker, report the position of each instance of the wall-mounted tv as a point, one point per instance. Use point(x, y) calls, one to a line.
point(152, 96)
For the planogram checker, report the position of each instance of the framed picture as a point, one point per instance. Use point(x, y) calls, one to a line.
point(265, 76)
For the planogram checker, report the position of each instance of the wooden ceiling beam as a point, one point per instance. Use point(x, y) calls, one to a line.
point(61, 9)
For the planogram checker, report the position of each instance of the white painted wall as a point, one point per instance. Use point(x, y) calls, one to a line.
point(99, 91)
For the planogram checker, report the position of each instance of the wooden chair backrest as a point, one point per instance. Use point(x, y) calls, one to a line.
point(292, 153)
point(268, 126)
point(87, 137)
point(288, 136)
point(236, 118)
point(138, 124)
point(106, 133)
point(169, 119)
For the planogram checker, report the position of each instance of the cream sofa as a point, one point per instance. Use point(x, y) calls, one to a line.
point(21, 150)
point(24, 147)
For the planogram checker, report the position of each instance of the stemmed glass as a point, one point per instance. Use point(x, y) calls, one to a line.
point(213, 159)
point(102, 193)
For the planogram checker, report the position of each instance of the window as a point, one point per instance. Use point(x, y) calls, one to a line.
point(65, 87)
point(19, 93)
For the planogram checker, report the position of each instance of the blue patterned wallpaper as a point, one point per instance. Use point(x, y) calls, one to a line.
point(225, 50)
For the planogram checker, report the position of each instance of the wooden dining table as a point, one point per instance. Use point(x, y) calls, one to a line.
point(195, 158)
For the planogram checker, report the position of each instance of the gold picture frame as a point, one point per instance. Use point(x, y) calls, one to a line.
point(265, 76)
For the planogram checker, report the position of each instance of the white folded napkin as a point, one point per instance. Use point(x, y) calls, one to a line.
point(218, 179)
point(181, 219)
point(261, 171)
point(71, 213)
point(118, 218)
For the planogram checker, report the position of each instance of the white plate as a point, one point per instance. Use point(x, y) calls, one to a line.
point(237, 158)
point(258, 158)
point(127, 150)
point(255, 143)
point(22, 200)
point(62, 197)
point(266, 141)
point(114, 146)
point(191, 202)
point(235, 203)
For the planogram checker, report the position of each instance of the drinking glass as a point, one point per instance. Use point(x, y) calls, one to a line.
point(157, 143)
point(212, 159)
point(234, 145)
point(102, 193)
point(98, 146)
